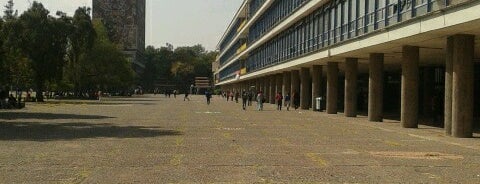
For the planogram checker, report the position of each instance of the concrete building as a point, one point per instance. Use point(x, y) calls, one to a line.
point(125, 21)
point(415, 60)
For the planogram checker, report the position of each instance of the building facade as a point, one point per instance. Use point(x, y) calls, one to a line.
point(125, 22)
point(417, 60)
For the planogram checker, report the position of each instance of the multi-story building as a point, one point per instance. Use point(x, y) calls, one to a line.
point(125, 22)
point(411, 59)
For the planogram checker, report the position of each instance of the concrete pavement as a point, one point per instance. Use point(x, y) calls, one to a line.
point(152, 139)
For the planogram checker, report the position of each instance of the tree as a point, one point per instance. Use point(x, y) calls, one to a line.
point(179, 66)
point(81, 41)
point(105, 66)
point(15, 68)
point(43, 40)
point(9, 12)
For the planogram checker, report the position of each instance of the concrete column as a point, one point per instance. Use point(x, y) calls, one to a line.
point(462, 88)
point(332, 87)
point(351, 67)
point(266, 88)
point(375, 88)
point(448, 87)
point(257, 85)
point(409, 100)
point(295, 81)
point(305, 84)
point(316, 80)
point(272, 89)
point(286, 85)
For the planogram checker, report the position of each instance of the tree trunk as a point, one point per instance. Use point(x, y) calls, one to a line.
point(39, 90)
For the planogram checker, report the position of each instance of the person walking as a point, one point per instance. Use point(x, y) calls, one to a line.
point(250, 98)
point(237, 95)
point(279, 99)
point(260, 101)
point(244, 99)
point(186, 96)
point(287, 101)
point(296, 100)
point(208, 95)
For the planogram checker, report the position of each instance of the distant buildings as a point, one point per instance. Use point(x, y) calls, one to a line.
point(125, 21)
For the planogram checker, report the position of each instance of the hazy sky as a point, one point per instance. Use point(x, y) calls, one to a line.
point(179, 22)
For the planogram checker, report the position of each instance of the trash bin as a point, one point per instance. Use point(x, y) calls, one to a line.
point(318, 106)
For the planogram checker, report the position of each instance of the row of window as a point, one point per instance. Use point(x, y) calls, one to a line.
point(231, 52)
point(335, 22)
point(274, 14)
point(230, 71)
point(254, 6)
point(231, 34)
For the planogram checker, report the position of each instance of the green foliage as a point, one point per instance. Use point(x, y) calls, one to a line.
point(81, 41)
point(105, 66)
point(59, 52)
point(43, 40)
point(178, 66)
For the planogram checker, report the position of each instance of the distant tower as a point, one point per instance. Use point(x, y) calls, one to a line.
point(125, 22)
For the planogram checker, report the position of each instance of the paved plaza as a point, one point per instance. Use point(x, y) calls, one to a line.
point(153, 139)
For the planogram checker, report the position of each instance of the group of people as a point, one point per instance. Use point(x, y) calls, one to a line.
point(167, 93)
point(249, 96)
point(9, 101)
point(279, 98)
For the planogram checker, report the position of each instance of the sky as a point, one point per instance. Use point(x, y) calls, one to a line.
point(178, 22)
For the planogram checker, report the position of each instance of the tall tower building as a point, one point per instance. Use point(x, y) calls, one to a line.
point(125, 22)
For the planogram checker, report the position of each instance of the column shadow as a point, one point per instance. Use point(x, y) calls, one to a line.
point(31, 131)
point(46, 116)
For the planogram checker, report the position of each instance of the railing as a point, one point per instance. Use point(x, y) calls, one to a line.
point(254, 7)
point(230, 53)
point(244, 22)
point(241, 48)
point(231, 34)
point(229, 72)
point(278, 11)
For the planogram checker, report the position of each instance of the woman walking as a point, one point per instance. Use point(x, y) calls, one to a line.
point(287, 101)
point(260, 101)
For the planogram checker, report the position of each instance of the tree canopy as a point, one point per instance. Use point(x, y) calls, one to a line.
point(58, 52)
point(177, 67)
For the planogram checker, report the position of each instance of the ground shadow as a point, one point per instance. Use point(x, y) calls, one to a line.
point(128, 100)
point(386, 115)
point(91, 102)
point(46, 116)
point(27, 131)
point(96, 102)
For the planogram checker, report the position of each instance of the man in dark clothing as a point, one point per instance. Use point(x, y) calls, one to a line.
point(208, 95)
point(237, 95)
point(244, 99)
point(186, 96)
point(296, 100)
point(250, 98)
